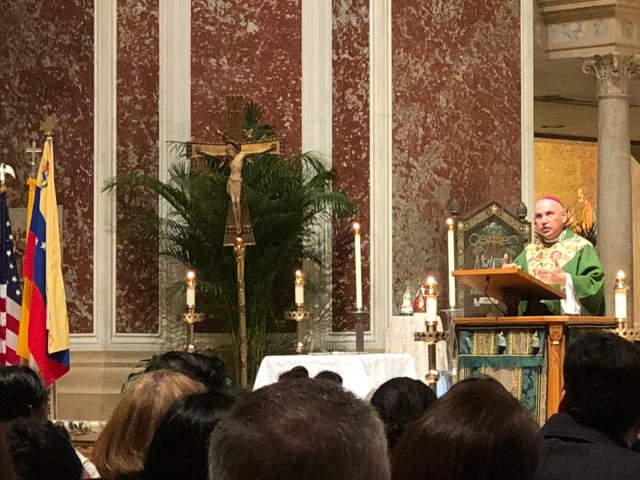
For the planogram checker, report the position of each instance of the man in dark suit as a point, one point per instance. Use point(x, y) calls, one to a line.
point(600, 413)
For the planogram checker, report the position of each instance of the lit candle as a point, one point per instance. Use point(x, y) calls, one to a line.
point(620, 294)
point(299, 288)
point(432, 299)
point(451, 261)
point(191, 289)
point(356, 233)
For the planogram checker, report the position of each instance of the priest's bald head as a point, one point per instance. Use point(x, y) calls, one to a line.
point(550, 217)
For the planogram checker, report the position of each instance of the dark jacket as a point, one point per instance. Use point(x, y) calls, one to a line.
point(571, 451)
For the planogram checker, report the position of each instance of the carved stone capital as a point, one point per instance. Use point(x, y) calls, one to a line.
point(613, 73)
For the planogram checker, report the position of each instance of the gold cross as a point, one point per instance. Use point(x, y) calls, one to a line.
point(33, 150)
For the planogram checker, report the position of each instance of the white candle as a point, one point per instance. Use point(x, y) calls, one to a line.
point(451, 259)
point(432, 300)
point(299, 288)
point(191, 289)
point(620, 295)
point(358, 248)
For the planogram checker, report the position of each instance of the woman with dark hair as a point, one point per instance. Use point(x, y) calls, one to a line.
point(22, 393)
point(400, 402)
point(179, 447)
point(209, 371)
point(7, 470)
point(477, 431)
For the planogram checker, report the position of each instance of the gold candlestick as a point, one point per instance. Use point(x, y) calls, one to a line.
point(431, 335)
point(299, 315)
point(239, 248)
point(190, 318)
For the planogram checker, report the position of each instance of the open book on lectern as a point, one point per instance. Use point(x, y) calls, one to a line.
point(509, 285)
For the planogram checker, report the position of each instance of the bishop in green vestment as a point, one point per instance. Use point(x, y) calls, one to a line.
point(561, 258)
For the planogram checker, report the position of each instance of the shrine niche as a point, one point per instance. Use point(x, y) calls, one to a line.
point(483, 238)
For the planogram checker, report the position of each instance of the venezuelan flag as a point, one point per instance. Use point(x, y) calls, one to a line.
point(44, 327)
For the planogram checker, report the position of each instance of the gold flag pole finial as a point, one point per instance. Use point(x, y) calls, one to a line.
point(49, 124)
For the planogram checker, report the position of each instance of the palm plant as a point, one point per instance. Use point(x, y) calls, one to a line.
point(287, 198)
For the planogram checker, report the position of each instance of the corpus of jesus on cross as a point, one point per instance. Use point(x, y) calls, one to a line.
point(235, 148)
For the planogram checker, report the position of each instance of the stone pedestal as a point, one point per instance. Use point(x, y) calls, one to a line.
point(615, 233)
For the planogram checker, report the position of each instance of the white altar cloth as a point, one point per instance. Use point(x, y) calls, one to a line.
point(362, 373)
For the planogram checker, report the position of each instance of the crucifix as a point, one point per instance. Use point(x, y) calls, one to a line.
point(33, 151)
point(236, 147)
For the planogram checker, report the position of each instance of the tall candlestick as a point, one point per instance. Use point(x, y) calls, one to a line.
point(299, 288)
point(451, 261)
point(358, 248)
point(620, 294)
point(432, 300)
point(191, 289)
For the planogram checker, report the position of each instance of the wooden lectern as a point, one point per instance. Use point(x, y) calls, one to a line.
point(511, 285)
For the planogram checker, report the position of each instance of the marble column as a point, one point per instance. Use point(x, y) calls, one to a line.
point(615, 234)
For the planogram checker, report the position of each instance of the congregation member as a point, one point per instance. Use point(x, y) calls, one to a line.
point(121, 449)
point(42, 450)
point(600, 416)
point(179, 447)
point(476, 431)
point(299, 429)
point(559, 257)
point(23, 395)
point(7, 470)
point(208, 370)
point(329, 376)
point(400, 402)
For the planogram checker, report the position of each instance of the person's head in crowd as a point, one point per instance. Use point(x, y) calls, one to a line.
point(122, 447)
point(180, 444)
point(400, 402)
point(476, 431)
point(42, 450)
point(299, 429)
point(294, 373)
point(602, 385)
point(7, 470)
point(208, 370)
point(329, 376)
point(22, 393)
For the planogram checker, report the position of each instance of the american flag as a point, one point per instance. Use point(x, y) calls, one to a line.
point(10, 295)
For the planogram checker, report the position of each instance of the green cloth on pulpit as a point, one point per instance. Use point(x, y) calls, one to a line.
point(577, 257)
point(513, 356)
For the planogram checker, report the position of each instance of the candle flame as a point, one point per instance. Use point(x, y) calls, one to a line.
point(620, 275)
point(356, 227)
point(431, 280)
point(191, 276)
point(449, 221)
point(299, 276)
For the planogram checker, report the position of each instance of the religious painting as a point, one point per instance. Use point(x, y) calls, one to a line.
point(568, 169)
point(483, 238)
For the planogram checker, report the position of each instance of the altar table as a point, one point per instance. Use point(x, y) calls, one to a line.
point(362, 373)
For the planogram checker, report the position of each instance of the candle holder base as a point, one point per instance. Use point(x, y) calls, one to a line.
point(191, 318)
point(359, 314)
point(299, 315)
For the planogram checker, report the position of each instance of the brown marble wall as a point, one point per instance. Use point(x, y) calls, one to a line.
point(456, 122)
point(137, 152)
point(46, 67)
point(350, 149)
point(251, 49)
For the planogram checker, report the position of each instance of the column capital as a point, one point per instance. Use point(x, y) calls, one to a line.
point(613, 73)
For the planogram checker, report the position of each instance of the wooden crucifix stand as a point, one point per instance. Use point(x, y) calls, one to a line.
point(238, 230)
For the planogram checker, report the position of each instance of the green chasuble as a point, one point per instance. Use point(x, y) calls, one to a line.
point(578, 258)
